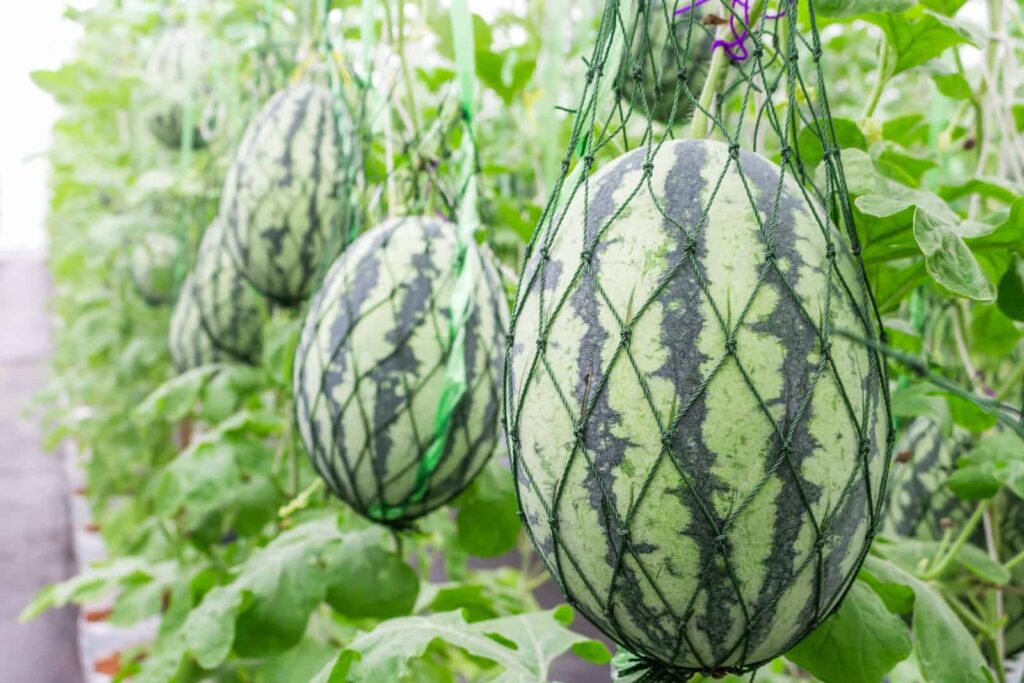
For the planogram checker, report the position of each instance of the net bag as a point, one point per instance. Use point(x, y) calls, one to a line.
point(700, 458)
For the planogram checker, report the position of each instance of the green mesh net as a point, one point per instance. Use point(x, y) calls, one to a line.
point(700, 456)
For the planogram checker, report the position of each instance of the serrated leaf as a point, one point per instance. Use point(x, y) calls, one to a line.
point(917, 41)
point(523, 646)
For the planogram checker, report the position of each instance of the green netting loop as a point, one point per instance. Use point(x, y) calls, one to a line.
point(700, 452)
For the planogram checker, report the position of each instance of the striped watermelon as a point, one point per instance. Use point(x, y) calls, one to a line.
point(677, 429)
point(189, 344)
point(370, 366)
point(282, 198)
point(231, 311)
point(154, 261)
point(919, 501)
point(176, 73)
point(650, 69)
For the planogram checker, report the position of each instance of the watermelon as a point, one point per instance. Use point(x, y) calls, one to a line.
point(232, 313)
point(177, 74)
point(189, 343)
point(920, 502)
point(282, 200)
point(370, 367)
point(699, 472)
point(651, 63)
point(154, 262)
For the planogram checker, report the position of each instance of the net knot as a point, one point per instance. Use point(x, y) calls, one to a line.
point(730, 345)
point(681, 73)
point(588, 161)
point(625, 335)
point(545, 254)
point(586, 255)
point(648, 168)
point(691, 246)
point(816, 52)
point(826, 350)
point(769, 255)
point(542, 343)
point(579, 431)
point(721, 538)
point(734, 151)
point(758, 51)
point(785, 153)
point(509, 341)
point(638, 74)
point(594, 72)
point(830, 252)
point(865, 447)
point(666, 438)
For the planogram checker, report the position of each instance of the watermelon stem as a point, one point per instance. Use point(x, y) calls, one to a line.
point(940, 565)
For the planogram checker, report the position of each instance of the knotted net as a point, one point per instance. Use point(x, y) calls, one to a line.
point(699, 457)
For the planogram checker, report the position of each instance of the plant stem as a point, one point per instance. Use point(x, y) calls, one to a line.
point(961, 540)
point(1017, 559)
point(701, 126)
point(1008, 385)
point(881, 79)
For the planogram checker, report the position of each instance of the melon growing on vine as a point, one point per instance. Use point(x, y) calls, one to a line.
point(282, 200)
point(920, 504)
point(154, 262)
point(189, 343)
point(231, 312)
point(699, 460)
point(371, 363)
point(177, 75)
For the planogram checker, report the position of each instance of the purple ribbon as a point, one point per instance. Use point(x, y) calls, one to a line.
point(735, 48)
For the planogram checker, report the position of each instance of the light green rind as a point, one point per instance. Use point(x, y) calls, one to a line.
point(725, 565)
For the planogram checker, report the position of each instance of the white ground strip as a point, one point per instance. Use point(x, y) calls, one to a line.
point(97, 640)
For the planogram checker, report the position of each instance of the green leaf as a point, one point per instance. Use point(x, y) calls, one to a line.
point(944, 647)
point(1001, 457)
point(977, 561)
point(969, 415)
point(915, 42)
point(895, 162)
point(175, 398)
point(1010, 294)
point(88, 585)
point(987, 188)
point(953, 85)
point(487, 523)
point(948, 259)
point(850, 8)
point(523, 646)
point(265, 609)
point(881, 638)
point(974, 482)
point(809, 141)
point(368, 581)
point(992, 333)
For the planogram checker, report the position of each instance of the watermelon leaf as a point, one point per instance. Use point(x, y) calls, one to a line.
point(1011, 291)
point(487, 523)
point(945, 649)
point(881, 636)
point(525, 648)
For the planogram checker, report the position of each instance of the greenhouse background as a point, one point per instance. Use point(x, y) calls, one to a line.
point(453, 341)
